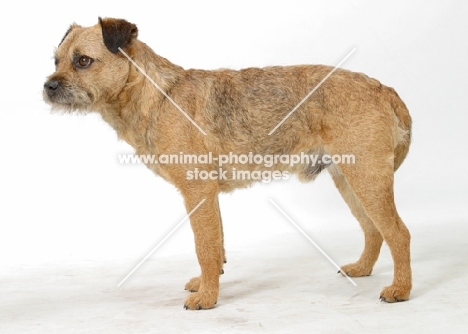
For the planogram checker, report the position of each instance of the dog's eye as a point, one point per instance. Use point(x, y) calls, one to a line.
point(84, 61)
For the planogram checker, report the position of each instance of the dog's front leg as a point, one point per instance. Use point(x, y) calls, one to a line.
point(206, 226)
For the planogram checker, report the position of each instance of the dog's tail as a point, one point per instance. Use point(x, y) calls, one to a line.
point(403, 128)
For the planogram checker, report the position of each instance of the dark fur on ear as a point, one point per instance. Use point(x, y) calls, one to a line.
point(68, 31)
point(117, 33)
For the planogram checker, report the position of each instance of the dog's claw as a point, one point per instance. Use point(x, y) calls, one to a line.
point(186, 307)
point(222, 271)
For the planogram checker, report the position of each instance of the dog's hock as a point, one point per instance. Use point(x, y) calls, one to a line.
point(117, 33)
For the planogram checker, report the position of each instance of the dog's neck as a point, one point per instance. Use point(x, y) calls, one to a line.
point(136, 108)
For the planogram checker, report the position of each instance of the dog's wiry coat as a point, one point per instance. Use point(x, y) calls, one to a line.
point(349, 113)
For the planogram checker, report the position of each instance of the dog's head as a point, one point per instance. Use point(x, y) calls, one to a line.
point(90, 70)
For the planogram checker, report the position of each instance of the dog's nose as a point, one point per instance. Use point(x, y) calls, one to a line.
point(51, 86)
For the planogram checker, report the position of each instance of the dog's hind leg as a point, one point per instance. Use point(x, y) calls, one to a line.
point(375, 132)
point(372, 237)
point(371, 180)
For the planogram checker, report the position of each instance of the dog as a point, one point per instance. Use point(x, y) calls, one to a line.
point(161, 109)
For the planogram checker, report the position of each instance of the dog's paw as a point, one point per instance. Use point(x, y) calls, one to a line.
point(193, 285)
point(200, 300)
point(355, 270)
point(394, 293)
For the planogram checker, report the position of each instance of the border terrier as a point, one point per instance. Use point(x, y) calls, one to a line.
point(237, 109)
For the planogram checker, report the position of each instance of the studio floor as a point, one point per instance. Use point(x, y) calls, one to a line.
point(280, 284)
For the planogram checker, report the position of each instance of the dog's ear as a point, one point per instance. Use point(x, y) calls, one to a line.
point(74, 25)
point(117, 33)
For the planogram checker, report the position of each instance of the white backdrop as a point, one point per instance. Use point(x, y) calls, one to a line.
point(64, 196)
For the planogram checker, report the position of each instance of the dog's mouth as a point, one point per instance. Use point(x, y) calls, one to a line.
point(63, 96)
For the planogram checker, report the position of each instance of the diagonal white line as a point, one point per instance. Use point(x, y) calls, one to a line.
point(161, 242)
point(311, 92)
point(162, 92)
point(313, 242)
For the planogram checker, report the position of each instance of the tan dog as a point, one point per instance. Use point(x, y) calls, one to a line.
point(349, 113)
